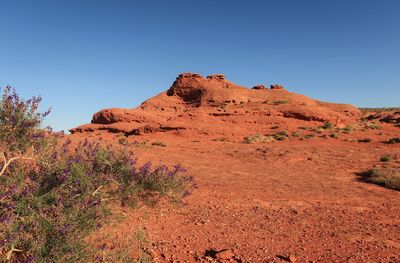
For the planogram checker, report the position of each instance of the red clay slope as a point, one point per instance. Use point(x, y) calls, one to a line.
point(215, 106)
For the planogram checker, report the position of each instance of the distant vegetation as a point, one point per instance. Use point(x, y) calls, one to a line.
point(385, 158)
point(260, 138)
point(366, 110)
point(394, 140)
point(327, 126)
point(365, 140)
point(53, 193)
point(387, 177)
point(280, 102)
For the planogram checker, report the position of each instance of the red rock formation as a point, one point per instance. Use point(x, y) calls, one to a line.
point(214, 105)
point(276, 86)
point(260, 86)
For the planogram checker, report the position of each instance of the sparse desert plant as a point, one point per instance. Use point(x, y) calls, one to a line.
point(159, 143)
point(138, 144)
point(222, 106)
point(123, 141)
point(280, 102)
point(334, 135)
point(386, 177)
point(366, 110)
point(281, 136)
point(327, 126)
point(385, 158)
point(296, 134)
point(372, 126)
point(220, 139)
point(258, 138)
point(393, 140)
point(133, 249)
point(309, 136)
point(348, 129)
point(141, 239)
point(365, 140)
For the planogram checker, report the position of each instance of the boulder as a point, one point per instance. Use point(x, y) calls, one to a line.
point(216, 76)
point(260, 86)
point(276, 86)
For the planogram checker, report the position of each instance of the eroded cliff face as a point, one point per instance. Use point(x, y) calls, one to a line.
point(213, 105)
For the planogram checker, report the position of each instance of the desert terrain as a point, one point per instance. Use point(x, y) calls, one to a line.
point(278, 174)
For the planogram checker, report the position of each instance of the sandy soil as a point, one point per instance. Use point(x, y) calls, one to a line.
point(296, 201)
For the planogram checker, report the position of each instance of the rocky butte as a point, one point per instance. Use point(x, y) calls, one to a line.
point(213, 105)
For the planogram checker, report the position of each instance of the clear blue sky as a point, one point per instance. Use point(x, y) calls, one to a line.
point(83, 56)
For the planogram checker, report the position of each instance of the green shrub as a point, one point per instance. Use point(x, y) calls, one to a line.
point(366, 110)
point(281, 136)
point(280, 102)
point(386, 177)
point(258, 138)
point(327, 126)
point(365, 140)
point(123, 141)
point(394, 140)
point(348, 129)
point(309, 136)
point(334, 135)
point(372, 126)
point(385, 158)
point(220, 139)
point(159, 143)
point(296, 134)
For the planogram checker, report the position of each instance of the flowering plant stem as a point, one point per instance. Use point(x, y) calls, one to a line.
point(9, 161)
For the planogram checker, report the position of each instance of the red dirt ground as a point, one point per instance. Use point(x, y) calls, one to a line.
point(296, 200)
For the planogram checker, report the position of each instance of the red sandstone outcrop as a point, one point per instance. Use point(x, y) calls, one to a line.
point(214, 105)
point(260, 86)
point(275, 86)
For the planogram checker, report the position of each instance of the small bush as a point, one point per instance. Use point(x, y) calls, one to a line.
point(123, 141)
point(386, 177)
point(366, 110)
point(327, 126)
point(372, 126)
point(365, 140)
point(394, 140)
point(309, 136)
point(296, 134)
point(159, 143)
point(258, 138)
point(281, 136)
point(348, 129)
point(220, 139)
point(334, 135)
point(385, 158)
point(280, 102)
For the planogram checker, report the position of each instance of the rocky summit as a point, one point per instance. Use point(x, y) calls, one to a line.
point(213, 105)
